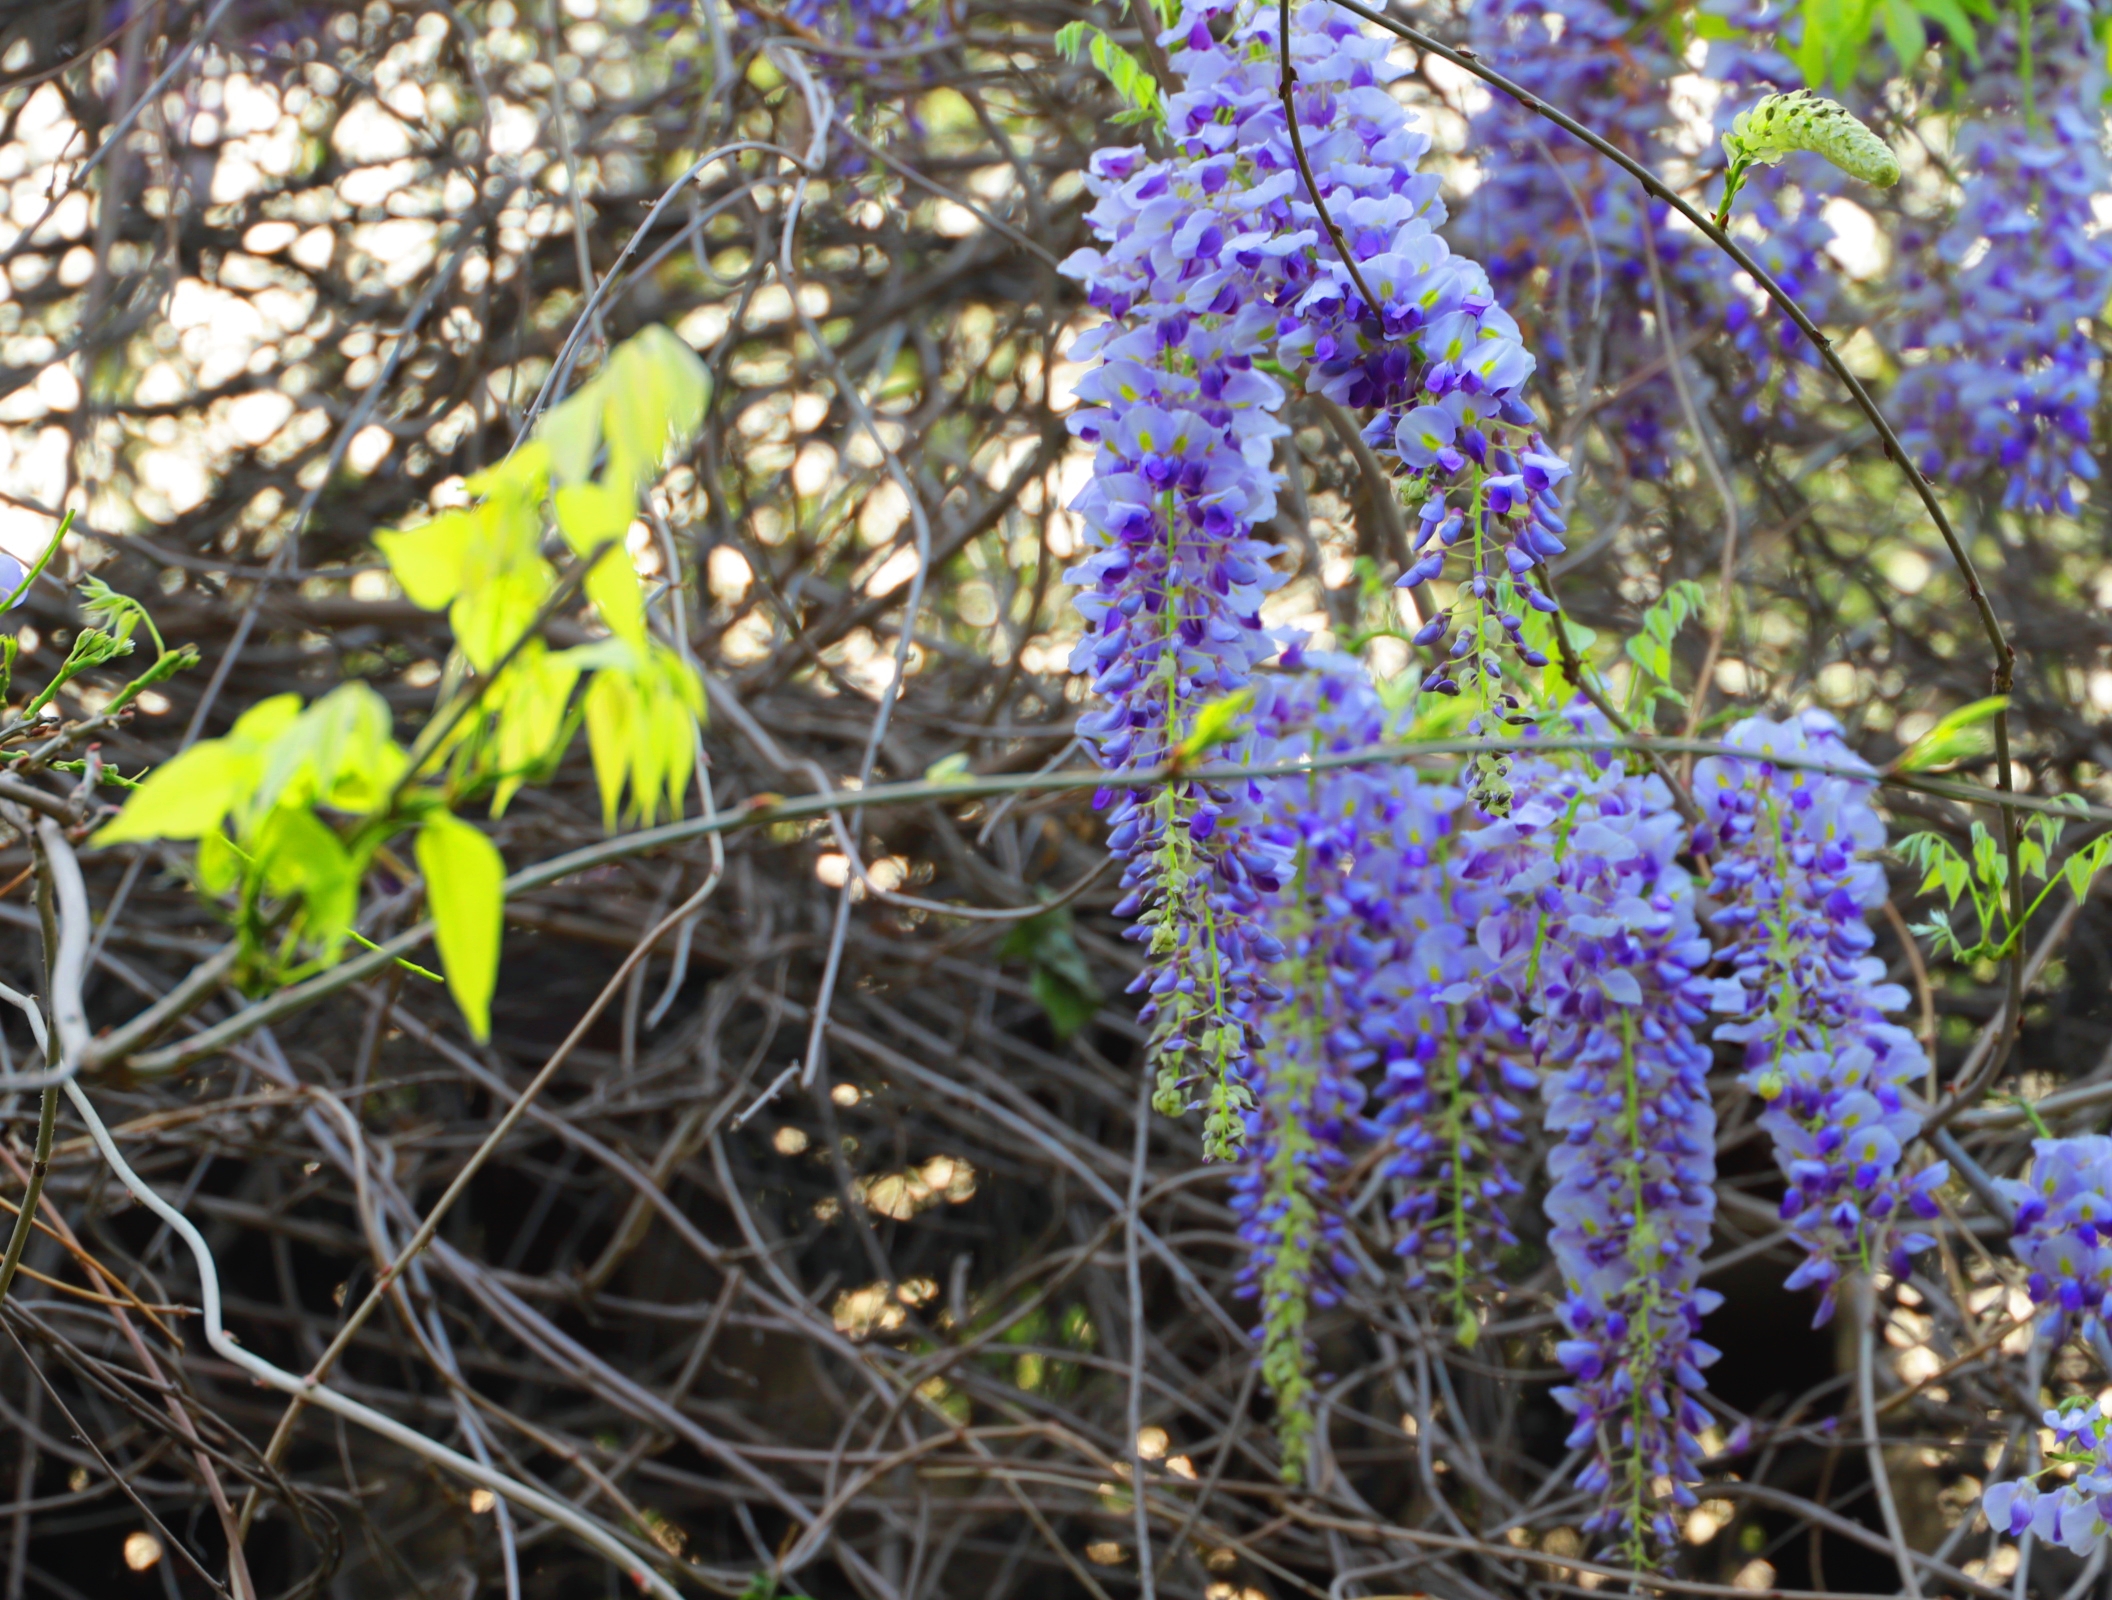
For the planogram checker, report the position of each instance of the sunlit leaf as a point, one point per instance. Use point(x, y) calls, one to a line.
point(464, 889)
point(1959, 736)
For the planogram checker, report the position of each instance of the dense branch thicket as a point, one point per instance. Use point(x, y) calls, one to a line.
point(839, 1249)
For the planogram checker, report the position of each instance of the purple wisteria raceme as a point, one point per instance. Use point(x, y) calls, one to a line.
point(1437, 361)
point(1562, 232)
point(1597, 932)
point(1792, 892)
point(1378, 973)
point(1308, 1092)
point(2063, 1231)
point(1778, 219)
point(2077, 1514)
point(1207, 261)
point(1185, 427)
point(2003, 313)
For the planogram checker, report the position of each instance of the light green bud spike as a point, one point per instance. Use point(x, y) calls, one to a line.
point(1784, 123)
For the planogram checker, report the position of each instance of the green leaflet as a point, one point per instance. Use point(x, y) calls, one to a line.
point(464, 877)
point(1057, 973)
point(1836, 33)
point(1782, 124)
point(1960, 736)
point(586, 470)
point(1138, 89)
point(1218, 722)
point(1980, 876)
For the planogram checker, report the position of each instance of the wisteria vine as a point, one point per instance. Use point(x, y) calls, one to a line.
point(1365, 977)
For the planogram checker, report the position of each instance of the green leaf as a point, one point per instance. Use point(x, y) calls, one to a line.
point(950, 769)
point(1903, 31)
point(186, 798)
point(297, 855)
point(1061, 982)
point(1132, 81)
point(2082, 868)
point(428, 560)
point(464, 888)
point(1960, 736)
point(1952, 18)
point(1215, 724)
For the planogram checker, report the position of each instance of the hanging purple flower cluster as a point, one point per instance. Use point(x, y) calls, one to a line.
point(1208, 260)
point(1307, 1087)
point(1781, 222)
point(1807, 999)
point(1379, 974)
point(2077, 1514)
point(1185, 426)
point(1562, 234)
point(2008, 385)
point(1597, 932)
point(1437, 361)
point(2064, 1231)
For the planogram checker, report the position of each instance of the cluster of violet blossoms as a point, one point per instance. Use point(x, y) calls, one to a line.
point(1380, 977)
point(2009, 383)
point(1545, 206)
point(1793, 893)
point(1437, 362)
point(1779, 219)
point(2063, 1231)
point(1560, 236)
point(1598, 935)
point(1207, 261)
point(2076, 1514)
point(1309, 1096)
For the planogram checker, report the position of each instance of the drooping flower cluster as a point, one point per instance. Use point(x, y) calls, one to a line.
point(1565, 234)
point(1792, 890)
point(1185, 428)
point(1436, 361)
point(1208, 260)
point(2063, 1232)
point(2076, 1514)
point(1597, 931)
point(1379, 976)
point(2002, 314)
point(1779, 220)
point(1309, 1095)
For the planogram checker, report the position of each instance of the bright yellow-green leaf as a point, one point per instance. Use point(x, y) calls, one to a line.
point(428, 560)
point(1217, 723)
point(591, 514)
point(186, 798)
point(530, 715)
point(612, 725)
point(220, 863)
point(1960, 736)
point(613, 587)
point(572, 432)
point(298, 855)
point(334, 753)
point(493, 613)
point(464, 888)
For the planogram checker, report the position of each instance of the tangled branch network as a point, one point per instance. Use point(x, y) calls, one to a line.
point(535, 1138)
